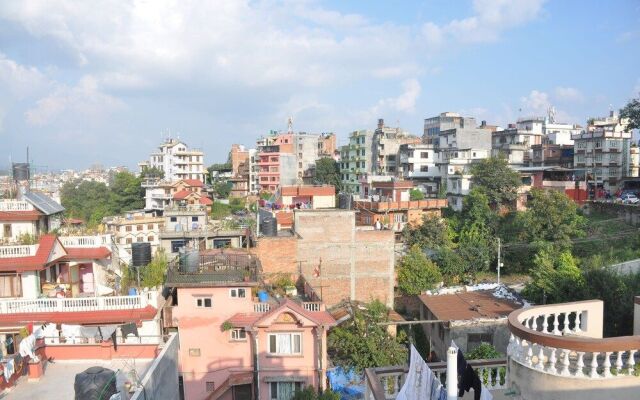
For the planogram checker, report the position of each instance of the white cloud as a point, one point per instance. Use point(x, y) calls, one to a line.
point(84, 101)
point(568, 94)
point(536, 103)
point(17, 80)
point(491, 18)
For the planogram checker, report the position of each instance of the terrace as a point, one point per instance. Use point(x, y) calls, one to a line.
point(214, 269)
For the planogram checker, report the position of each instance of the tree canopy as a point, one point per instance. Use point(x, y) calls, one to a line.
point(417, 273)
point(361, 343)
point(632, 111)
point(497, 180)
point(328, 173)
point(432, 234)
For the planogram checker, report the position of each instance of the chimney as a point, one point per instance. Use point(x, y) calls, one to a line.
point(483, 123)
point(380, 123)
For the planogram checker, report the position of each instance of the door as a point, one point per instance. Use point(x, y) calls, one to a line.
point(242, 392)
point(86, 278)
point(74, 280)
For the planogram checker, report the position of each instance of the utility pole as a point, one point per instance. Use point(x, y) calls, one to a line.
point(499, 262)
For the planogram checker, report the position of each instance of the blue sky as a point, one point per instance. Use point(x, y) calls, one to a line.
point(101, 82)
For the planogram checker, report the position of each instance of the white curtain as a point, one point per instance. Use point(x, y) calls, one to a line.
point(285, 390)
point(284, 344)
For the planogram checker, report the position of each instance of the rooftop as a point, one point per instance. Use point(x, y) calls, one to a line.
point(465, 306)
point(213, 268)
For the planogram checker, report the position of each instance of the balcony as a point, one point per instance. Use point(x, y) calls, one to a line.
point(557, 351)
point(15, 205)
point(18, 251)
point(384, 383)
point(80, 304)
point(86, 241)
point(218, 269)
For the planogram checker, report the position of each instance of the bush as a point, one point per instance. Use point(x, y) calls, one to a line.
point(416, 273)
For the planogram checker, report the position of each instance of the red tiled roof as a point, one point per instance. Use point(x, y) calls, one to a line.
point(32, 215)
point(284, 218)
point(193, 182)
point(181, 194)
point(32, 263)
point(205, 201)
point(308, 190)
point(80, 317)
point(468, 305)
point(81, 253)
point(251, 319)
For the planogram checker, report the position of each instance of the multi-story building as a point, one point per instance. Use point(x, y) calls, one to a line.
point(327, 145)
point(306, 150)
point(135, 227)
point(275, 168)
point(253, 350)
point(386, 143)
point(604, 150)
point(445, 121)
point(548, 154)
point(515, 142)
point(356, 160)
point(177, 161)
point(456, 165)
point(31, 215)
point(420, 164)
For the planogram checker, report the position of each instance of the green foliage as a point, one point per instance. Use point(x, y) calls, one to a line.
point(328, 173)
point(226, 326)
point(632, 111)
point(442, 190)
point(551, 216)
point(26, 239)
point(477, 247)
point(420, 340)
point(310, 393)
point(153, 172)
point(237, 204)
point(91, 201)
point(497, 180)
point(416, 194)
point(222, 189)
point(476, 210)
point(220, 166)
point(451, 265)
point(433, 233)
point(361, 343)
point(220, 210)
point(556, 277)
point(416, 273)
point(154, 273)
point(483, 352)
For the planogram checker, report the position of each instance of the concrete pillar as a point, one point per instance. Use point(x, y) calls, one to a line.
point(452, 373)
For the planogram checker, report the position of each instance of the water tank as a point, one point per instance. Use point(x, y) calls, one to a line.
point(263, 296)
point(133, 291)
point(140, 254)
point(95, 383)
point(269, 226)
point(344, 201)
point(20, 171)
point(189, 261)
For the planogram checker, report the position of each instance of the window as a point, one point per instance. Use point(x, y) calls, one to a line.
point(10, 285)
point(285, 343)
point(475, 339)
point(398, 218)
point(149, 226)
point(128, 228)
point(150, 238)
point(139, 228)
point(239, 292)
point(424, 168)
point(194, 219)
point(424, 154)
point(194, 352)
point(174, 219)
point(238, 334)
point(176, 245)
point(140, 239)
point(203, 302)
point(211, 386)
point(129, 240)
point(284, 390)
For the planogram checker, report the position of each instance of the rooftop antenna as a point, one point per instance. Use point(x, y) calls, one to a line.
point(290, 125)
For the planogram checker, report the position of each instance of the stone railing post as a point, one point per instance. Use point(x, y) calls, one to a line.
point(452, 373)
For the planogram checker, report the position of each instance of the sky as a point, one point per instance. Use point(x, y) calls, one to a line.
point(104, 81)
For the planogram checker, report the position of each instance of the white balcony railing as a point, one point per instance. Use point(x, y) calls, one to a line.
point(261, 307)
point(86, 241)
point(566, 340)
point(18, 251)
point(312, 306)
point(15, 205)
point(79, 304)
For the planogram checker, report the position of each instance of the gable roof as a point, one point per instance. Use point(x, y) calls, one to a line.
point(181, 195)
point(32, 215)
point(86, 253)
point(258, 319)
point(43, 203)
point(45, 255)
point(193, 182)
point(205, 201)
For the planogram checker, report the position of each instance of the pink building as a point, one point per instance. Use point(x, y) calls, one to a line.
point(233, 347)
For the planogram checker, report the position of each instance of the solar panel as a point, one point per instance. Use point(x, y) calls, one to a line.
point(43, 203)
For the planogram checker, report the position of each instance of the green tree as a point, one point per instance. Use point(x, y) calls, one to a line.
point(451, 264)
point(222, 189)
point(154, 273)
point(220, 210)
point(477, 248)
point(477, 211)
point(485, 351)
point(416, 194)
point(497, 180)
point(433, 233)
point(361, 343)
point(328, 173)
point(416, 273)
point(552, 217)
point(632, 111)
point(310, 393)
point(153, 172)
point(126, 192)
point(556, 277)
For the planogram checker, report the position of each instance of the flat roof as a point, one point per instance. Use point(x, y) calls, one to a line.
point(468, 305)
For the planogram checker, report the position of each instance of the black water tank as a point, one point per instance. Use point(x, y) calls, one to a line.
point(140, 254)
point(95, 383)
point(344, 201)
point(269, 227)
point(20, 171)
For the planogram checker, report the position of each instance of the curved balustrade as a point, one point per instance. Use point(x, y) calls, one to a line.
point(566, 340)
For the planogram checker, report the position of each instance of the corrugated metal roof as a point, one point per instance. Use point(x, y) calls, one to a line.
point(468, 305)
point(43, 203)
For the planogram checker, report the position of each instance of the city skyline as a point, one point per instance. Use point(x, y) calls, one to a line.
point(81, 84)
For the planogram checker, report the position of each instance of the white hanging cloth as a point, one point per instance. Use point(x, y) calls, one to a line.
point(418, 383)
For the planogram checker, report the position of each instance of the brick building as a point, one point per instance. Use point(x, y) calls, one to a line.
point(339, 260)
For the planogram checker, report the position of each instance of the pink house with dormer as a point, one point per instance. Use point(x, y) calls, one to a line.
point(234, 347)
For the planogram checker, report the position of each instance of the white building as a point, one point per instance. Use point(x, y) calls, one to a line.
point(456, 166)
point(135, 227)
point(177, 161)
point(420, 163)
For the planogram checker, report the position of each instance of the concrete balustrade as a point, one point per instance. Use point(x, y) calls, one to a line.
point(18, 251)
point(79, 304)
point(15, 205)
point(86, 241)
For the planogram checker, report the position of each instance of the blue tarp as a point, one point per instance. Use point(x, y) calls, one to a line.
point(348, 383)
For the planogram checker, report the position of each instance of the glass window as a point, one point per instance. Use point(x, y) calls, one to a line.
point(238, 334)
point(424, 154)
point(174, 219)
point(176, 245)
point(194, 219)
point(284, 390)
point(149, 226)
point(203, 302)
point(285, 343)
point(238, 292)
point(128, 228)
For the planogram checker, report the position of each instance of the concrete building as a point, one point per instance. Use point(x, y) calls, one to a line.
point(604, 150)
point(356, 160)
point(32, 215)
point(135, 227)
point(420, 164)
point(386, 143)
point(338, 260)
point(549, 154)
point(515, 142)
point(327, 145)
point(307, 152)
point(443, 122)
point(634, 161)
point(276, 167)
point(177, 161)
point(240, 170)
point(253, 350)
point(469, 319)
point(456, 165)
